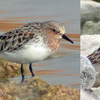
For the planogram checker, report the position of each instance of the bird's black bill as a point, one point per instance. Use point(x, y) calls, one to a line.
point(66, 38)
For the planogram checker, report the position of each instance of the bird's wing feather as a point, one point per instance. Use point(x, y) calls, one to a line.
point(95, 56)
point(15, 39)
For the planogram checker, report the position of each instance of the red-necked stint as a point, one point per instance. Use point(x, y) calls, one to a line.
point(31, 43)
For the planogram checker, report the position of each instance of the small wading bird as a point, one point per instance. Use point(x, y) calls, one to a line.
point(31, 43)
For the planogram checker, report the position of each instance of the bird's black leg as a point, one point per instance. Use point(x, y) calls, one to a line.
point(22, 72)
point(30, 67)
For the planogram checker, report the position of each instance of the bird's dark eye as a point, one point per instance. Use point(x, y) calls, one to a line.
point(53, 30)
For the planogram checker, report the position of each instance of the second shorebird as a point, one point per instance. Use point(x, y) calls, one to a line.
point(31, 43)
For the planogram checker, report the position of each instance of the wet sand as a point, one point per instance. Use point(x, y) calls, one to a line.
point(36, 89)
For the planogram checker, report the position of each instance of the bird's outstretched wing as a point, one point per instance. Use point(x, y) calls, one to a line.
point(15, 39)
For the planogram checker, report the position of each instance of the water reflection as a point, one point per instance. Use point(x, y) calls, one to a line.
point(2, 11)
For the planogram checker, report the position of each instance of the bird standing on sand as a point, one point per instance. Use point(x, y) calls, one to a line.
point(31, 43)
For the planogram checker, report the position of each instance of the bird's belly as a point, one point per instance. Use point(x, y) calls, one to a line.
point(30, 54)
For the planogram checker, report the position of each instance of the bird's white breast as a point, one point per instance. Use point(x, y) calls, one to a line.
point(30, 53)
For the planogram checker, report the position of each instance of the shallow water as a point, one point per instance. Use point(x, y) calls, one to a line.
point(65, 68)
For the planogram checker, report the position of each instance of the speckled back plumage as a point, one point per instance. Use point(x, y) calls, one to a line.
point(15, 39)
point(31, 43)
point(95, 56)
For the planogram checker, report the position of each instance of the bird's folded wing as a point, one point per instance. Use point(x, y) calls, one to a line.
point(15, 39)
